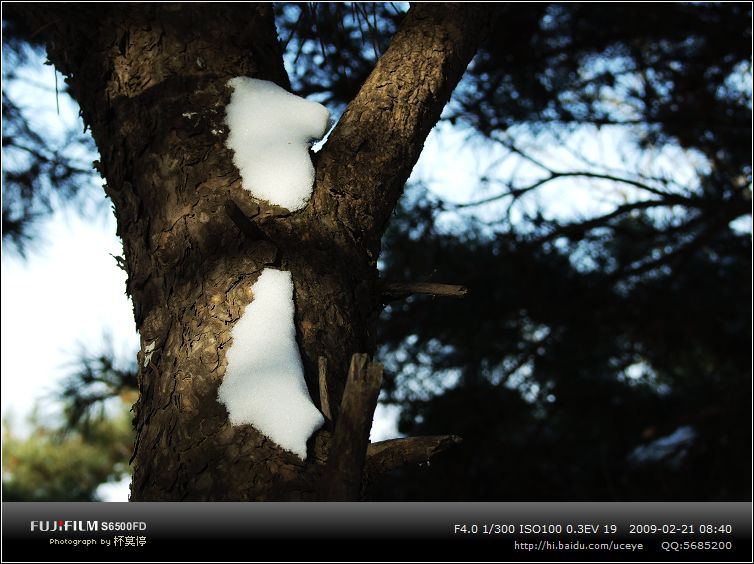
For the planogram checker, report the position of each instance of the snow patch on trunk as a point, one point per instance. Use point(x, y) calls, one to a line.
point(270, 132)
point(148, 352)
point(264, 382)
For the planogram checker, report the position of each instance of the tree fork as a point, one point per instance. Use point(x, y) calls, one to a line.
point(151, 80)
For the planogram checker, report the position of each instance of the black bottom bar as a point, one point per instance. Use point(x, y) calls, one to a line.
point(356, 550)
point(389, 532)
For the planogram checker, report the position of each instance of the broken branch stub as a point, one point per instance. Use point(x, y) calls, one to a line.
point(345, 465)
point(384, 456)
point(397, 290)
point(324, 394)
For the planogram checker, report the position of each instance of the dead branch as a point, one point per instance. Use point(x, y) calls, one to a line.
point(396, 290)
point(345, 465)
point(384, 456)
point(324, 395)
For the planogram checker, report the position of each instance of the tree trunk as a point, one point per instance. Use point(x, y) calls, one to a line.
point(151, 83)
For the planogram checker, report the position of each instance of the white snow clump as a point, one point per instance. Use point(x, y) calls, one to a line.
point(270, 132)
point(148, 352)
point(264, 382)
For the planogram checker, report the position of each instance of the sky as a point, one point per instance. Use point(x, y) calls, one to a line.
point(61, 301)
point(69, 293)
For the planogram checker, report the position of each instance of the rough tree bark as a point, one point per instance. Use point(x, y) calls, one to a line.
point(151, 83)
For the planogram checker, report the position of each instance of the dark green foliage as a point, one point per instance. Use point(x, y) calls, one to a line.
point(332, 47)
point(43, 169)
point(580, 342)
point(53, 464)
point(94, 381)
point(554, 374)
point(68, 461)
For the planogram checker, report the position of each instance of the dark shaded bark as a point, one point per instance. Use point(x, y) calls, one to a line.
point(385, 456)
point(345, 465)
point(151, 82)
point(395, 290)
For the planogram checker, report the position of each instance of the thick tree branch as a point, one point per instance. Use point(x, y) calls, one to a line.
point(389, 455)
point(371, 152)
